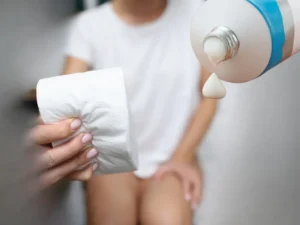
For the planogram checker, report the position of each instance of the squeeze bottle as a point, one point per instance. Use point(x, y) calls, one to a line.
point(239, 40)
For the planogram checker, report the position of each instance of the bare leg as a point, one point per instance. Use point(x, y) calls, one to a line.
point(163, 203)
point(112, 200)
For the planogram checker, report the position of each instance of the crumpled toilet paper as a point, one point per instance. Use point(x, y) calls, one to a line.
point(99, 99)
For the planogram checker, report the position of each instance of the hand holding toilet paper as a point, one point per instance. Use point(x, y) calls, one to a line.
point(99, 99)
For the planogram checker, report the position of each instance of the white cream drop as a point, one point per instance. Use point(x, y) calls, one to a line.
point(214, 88)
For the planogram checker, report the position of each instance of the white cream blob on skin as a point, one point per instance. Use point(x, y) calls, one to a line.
point(215, 49)
point(214, 88)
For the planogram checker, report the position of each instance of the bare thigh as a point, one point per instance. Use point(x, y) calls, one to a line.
point(163, 203)
point(112, 199)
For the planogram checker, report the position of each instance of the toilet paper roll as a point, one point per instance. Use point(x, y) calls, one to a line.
point(99, 99)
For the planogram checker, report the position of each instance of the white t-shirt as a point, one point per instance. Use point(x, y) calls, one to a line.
point(162, 73)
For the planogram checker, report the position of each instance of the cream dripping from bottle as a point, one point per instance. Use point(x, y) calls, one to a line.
point(239, 40)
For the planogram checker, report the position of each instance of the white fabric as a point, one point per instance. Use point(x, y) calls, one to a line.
point(161, 72)
point(99, 99)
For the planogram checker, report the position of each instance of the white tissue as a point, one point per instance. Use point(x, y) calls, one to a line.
point(99, 99)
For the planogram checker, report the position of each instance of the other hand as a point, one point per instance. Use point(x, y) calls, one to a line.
point(189, 174)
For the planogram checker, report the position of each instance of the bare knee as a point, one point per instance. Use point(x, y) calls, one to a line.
point(163, 204)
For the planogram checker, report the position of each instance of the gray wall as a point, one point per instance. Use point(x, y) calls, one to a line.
point(32, 36)
point(252, 151)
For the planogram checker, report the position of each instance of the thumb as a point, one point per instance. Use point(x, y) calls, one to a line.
point(161, 172)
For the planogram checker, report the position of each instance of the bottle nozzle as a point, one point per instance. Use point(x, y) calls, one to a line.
point(221, 44)
point(215, 49)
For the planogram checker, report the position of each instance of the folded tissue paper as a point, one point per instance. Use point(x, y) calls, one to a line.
point(99, 99)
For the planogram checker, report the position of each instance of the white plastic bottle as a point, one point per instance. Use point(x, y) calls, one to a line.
point(239, 40)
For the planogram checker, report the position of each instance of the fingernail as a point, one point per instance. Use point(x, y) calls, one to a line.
point(75, 124)
point(95, 166)
point(92, 153)
point(86, 138)
point(187, 197)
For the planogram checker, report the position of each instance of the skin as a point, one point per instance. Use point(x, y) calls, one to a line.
point(176, 187)
point(137, 12)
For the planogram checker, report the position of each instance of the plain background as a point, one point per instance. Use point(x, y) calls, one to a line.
point(250, 156)
point(32, 39)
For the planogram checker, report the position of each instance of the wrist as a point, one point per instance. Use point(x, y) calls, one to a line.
point(183, 158)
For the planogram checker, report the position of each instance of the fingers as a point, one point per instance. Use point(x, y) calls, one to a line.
point(191, 181)
point(191, 188)
point(185, 178)
point(187, 190)
point(45, 134)
point(57, 173)
point(85, 174)
point(55, 156)
point(163, 171)
point(196, 191)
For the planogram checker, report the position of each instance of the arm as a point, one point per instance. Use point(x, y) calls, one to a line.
point(79, 47)
point(182, 162)
point(198, 126)
point(74, 65)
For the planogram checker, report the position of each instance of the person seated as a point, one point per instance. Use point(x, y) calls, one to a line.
point(150, 41)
